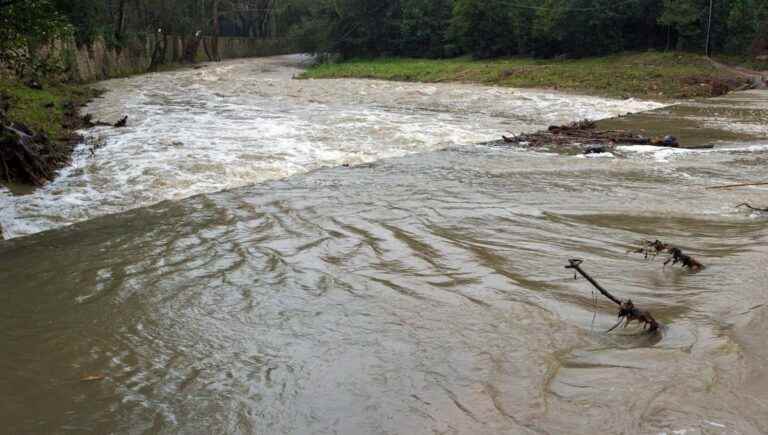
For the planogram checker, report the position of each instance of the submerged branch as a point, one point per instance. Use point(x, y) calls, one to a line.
point(576, 265)
point(627, 310)
point(749, 206)
point(676, 255)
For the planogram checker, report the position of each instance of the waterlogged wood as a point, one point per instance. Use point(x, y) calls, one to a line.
point(585, 133)
point(92, 377)
point(651, 249)
point(749, 206)
point(627, 310)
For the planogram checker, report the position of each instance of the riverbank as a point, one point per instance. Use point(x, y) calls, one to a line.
point(37, 129)
point(50, 112)
point(47, 109)
point(649, 75)
point(270, 127)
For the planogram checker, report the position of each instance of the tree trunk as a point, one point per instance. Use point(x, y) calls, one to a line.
point(216, 31)
point(120, 28)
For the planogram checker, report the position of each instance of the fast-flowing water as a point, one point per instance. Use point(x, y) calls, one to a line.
point(418, 294)
point(243, 122)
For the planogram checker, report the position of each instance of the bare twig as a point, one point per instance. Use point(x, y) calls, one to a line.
point(747, 205)
point(627, 310)
point(686, 260)
point(650, 249)
point(576, 265)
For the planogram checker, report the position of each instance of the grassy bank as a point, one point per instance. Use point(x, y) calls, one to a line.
point(47, 110)
point(37, 131)
point(650, 75)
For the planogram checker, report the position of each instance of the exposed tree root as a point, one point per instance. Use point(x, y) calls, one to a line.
point(29, 157)
point(33, 158)
point(627, 310)
point(652, 249)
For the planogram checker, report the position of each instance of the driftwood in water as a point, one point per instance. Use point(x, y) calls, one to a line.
point(586, 133)
point(651, 249)
point(747, 205)
point(628, 312)
point(677, 256)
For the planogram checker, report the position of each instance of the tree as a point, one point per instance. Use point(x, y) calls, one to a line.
point(24, 29)
point(687, 19)
point(424, 27)
point(483, 28)
point(742, 25)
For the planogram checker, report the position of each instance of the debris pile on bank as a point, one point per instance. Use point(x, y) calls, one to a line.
point(585, 134)
point(30, 157)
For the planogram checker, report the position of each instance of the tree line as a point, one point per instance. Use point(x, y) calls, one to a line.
point(414, 28)
point(27, 25)
point(539, 28)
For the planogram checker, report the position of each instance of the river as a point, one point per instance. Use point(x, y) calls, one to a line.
point(218, 271)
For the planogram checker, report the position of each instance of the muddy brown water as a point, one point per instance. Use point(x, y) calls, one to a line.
point(418, 294)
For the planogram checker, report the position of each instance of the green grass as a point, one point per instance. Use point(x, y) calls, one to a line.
point(43, 110)
point(651, 75)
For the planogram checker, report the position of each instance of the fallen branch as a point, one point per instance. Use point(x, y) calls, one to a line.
point(650, 249)
point(730, 186)
point(627, 310)
point(653, 249)
point(686, 260)
point(747, 205)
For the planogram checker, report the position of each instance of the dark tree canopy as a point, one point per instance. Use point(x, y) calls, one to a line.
point(416, 28)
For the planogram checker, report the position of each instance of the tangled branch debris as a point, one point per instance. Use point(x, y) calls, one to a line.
point(28, 157)
point(31, 157)
point(651, 249)
point(749, 206)
point(585, 133)
point(628, 312)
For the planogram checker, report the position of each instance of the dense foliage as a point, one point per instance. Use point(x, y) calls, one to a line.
point(415, 28)
point(25, 26)
point(542, 28)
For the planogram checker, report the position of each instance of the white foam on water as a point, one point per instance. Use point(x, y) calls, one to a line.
point(247, 121)
point(665, 154)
